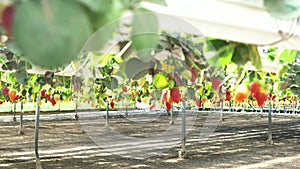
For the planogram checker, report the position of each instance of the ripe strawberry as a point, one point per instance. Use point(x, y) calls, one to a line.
point(1, 101)
point(175, 95)
point(168, 105)
point(228, 95)
point(5, 91)
point(48, 97)
point(7, 19)
point(43, 93)
point(53, 102)
point(17, 97)
point(254, 88)
point(194, 74)
point(272, 96)
point(261, 97)
point(199, 103)
point(242, 92)
point(216, 81)
point(112, 104)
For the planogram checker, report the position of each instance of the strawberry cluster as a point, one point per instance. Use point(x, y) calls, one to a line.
point(47, 96)
point(170, 96)
point(259, 93)
point(10, 95)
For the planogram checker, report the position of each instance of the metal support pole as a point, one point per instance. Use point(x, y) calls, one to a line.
point(222, 105)
point(14, 111)
point(107, 114)
point(270, 140)
point(172, 111)
point(126, 109)
point(21, 119)
point(182, 152)
point(76, 109)
point(294, 106)
point(36, 135)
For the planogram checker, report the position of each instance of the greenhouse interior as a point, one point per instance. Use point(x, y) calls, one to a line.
point(150, 84)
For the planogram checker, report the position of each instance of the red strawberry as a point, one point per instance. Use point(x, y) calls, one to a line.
point(175, 95)
point(199, 103)
point(228, 95)
point(261, 97)
point(1, 101)
point(168, 105)
point(17, 97)
point(254, 88)
point(7, 19)
point(43, 93)
point(272, 96)
point(53, 102)
point(48, 96)
point(112, 104)
point(194, 74)
point(5, 91)
point(216, 81)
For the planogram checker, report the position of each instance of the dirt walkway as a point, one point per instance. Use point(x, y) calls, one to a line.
point(238, 142)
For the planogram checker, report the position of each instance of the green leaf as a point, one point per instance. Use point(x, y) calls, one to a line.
point(101, 102)
point(24, 65)
point(21, 76)
point(140, 74)
point(100, 6)
point(134, 67)
point(283, 9)
point(240, 55)
point(191, 93)
point(113, 84)
point(13, 47)
point(254, 57)
point(104, 18)
point(105, 60)
point(222, 57)
point(9, 55)
point(52, 33)
point(295, 90)
point(218, 44)
point(282, 69)
point(297, 78)
point(144, 33)
point(288, 55)
point(157, 93)
point(10, 65)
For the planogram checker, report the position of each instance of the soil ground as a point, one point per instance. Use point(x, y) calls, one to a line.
point(239, 141)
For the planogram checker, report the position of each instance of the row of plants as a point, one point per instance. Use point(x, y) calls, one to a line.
point(168, 80)
point(169, 67)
